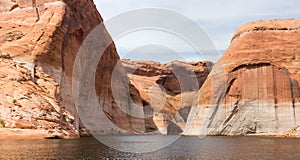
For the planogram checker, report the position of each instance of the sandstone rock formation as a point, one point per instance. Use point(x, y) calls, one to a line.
point(167, 91)
point(49, 46)
point(172, 75)
point(185, 77)
point(28, 107)
point(254, 87)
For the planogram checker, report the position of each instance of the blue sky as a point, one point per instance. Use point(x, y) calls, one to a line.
point(219, 18)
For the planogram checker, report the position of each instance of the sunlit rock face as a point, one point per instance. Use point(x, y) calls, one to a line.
point(254, 87)
point(31, 102)
point(167, 91)
point(48, 41)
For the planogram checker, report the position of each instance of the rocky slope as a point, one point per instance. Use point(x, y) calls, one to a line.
point(47, 43)
point(28, 106)
point(254, 87)
point(167, 91)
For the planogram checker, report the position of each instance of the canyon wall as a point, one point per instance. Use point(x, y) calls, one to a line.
point(167, 91)
point(47, 43)
point(254, 88)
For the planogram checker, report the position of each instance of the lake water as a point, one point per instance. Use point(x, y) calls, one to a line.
point(184, 148)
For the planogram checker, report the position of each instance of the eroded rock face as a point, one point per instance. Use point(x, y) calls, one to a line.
point(254, 87)
point(144, 68)
point(185, 77)
point(50, 44)
point(82, 17)
point(166, 102)
point(28, 105)
point(22, 40)
point(173, 75)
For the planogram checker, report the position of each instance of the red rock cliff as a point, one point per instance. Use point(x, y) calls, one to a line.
point(254, 87)
point(167, 102)
point(49, 43)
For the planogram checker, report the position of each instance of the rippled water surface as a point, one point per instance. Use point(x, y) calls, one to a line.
point(183, 148)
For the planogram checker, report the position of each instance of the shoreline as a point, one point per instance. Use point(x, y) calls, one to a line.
point(31, 134)
point(39, 134)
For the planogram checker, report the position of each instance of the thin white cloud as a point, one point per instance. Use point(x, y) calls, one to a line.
point(220, 18)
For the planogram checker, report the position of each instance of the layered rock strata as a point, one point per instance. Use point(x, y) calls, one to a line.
point(47, 42)
point(167, 91)
point(254, 88)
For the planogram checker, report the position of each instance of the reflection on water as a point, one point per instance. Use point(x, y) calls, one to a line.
point(184, 148)
point(138, 144)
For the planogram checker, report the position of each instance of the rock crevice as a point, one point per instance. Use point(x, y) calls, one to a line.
point(167, 91)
